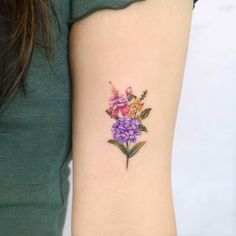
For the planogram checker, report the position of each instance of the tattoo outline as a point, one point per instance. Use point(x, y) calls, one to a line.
point(128, 111)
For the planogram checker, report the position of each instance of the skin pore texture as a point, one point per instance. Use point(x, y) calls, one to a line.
point(144, 47)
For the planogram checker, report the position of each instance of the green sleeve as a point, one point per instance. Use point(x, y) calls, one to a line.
point(82, 8)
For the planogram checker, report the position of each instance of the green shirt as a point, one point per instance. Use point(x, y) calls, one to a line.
point(36, 136)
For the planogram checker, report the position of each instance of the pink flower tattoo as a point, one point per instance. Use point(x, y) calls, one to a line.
point(129, 112)
point(118, 104)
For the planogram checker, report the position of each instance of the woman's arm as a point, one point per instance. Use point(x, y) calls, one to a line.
point(142, 46)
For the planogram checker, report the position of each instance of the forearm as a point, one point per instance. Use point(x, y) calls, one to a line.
point(142, 47)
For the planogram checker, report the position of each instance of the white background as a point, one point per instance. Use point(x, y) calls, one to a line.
point(204, 153)
point(204, 157)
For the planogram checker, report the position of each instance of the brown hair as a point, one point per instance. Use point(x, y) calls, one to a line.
point(23, 25)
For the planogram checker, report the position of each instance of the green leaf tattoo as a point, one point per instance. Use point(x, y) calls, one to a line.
point(119, 145)
point(128, 112)
point(145, 113)
point(142, 128)
point(136, 148)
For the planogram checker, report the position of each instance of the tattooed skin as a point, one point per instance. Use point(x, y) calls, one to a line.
point(128, 112)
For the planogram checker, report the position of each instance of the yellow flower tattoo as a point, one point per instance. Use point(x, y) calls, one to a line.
point(135, 108)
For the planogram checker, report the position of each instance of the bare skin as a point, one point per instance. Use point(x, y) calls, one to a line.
point(143, 46)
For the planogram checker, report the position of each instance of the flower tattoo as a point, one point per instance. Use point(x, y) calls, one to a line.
point(128, 111)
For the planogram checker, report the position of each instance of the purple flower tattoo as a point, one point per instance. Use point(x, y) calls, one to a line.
point(126, 130)
point(129, 112)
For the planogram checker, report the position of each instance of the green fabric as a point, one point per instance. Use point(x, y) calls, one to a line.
point(35, 136)
point(83, 8)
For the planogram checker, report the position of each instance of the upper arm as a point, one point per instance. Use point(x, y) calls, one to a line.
point(143, 46)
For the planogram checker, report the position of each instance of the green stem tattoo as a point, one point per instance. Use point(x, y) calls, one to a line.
point(127, 156)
